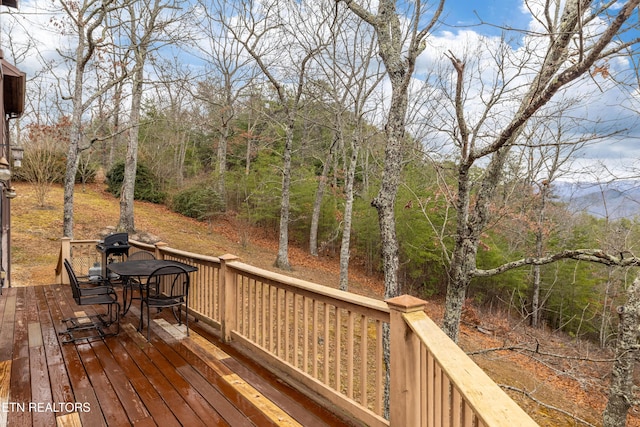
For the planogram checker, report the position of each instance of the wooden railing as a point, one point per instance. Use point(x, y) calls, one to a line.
point(330, 343)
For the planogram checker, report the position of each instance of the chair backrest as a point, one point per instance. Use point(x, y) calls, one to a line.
point(171, 280)
point(73, 279)
point(141, 255)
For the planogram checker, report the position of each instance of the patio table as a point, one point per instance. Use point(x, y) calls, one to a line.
point(128, 270)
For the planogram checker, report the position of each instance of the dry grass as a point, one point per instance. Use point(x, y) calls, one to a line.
point(36, 233)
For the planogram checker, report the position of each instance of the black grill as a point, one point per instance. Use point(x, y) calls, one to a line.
point(116, 244)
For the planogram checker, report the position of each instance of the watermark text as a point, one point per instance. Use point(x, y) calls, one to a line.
point(65, 407)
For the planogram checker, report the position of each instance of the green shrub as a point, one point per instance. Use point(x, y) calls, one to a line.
point(200, 202)
point(147, 185)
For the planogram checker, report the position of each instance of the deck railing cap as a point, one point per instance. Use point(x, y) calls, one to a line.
point(406, 303)
point(229, 257)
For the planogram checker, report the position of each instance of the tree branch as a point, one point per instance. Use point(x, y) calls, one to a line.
point(546, 405)
point(537, 351)
point(626, 259)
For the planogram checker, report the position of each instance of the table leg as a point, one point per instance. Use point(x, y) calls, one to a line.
point(127, 294)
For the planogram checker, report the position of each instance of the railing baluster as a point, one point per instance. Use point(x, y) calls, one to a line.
point(296, 330)
point(248, 311)
point(338, 352)
point(350, 338)
point(438, 392)
point(328, 341)
point(446, 400)
point(424, 390)
point(380, 373)
point(305, 334)
point(272, 318)
point(265, 323)
point(286, 330)
point(431, 391)
point(364, 358)
point(314, 340)
point(456, 407)
point(467, 416)
point(278, 323)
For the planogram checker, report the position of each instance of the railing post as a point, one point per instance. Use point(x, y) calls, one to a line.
point(404, 405)
point(65, 253)
point(159, 246)
point(227, 281)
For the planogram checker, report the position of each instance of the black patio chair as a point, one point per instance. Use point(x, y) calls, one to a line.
point(141, 255)
point(166, 287)
point(90, 281)
point(91, 327)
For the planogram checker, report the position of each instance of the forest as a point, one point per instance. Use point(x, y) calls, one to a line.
point(383, 133)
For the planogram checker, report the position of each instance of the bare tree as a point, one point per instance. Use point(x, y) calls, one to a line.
point(622, 389)
point(566, 56)
point(86, 20)
point(360, 78)
point(399, 46)
point(353, 75)
point(44, 148)
point(228, 75)
point(546, 162)
point(283, 41)
point(173, 119)
point(150, 25)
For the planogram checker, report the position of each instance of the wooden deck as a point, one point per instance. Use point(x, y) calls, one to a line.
point(123, 380)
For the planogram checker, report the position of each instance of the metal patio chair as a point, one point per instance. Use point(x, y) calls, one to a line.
point(166, 287)
point(93, 326)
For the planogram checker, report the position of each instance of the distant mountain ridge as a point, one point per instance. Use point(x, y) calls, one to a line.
point(615, 200)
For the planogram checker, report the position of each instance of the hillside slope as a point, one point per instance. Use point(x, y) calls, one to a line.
point(549, 367)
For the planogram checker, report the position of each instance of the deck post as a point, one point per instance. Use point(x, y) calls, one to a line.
point(227, 281)
point(404, 405)
point(159, 246)
point(65, 253)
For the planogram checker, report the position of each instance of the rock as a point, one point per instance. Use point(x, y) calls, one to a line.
point(144, 237)
point(140, 236)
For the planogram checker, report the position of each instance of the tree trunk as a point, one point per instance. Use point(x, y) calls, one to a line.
point(126, 222)
point(69, 182)
point(385, 201)
point(141, 32)
point(247, 167)
point(181, 156)
point(385, 206)
point(282, 259)
point(463, 260)
point(535, 286)
point(348, 215)
point(535, 297)
point(221, 168)
point(75, 133)
point(606, 310)
point(117, 137)
point(621, 394)
point(317, 204)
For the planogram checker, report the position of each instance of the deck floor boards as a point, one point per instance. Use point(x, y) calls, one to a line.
point(125, 380)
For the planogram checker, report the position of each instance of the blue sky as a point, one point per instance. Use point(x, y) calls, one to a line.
point(460, 16)
point(462, 19)
point(500, 12)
